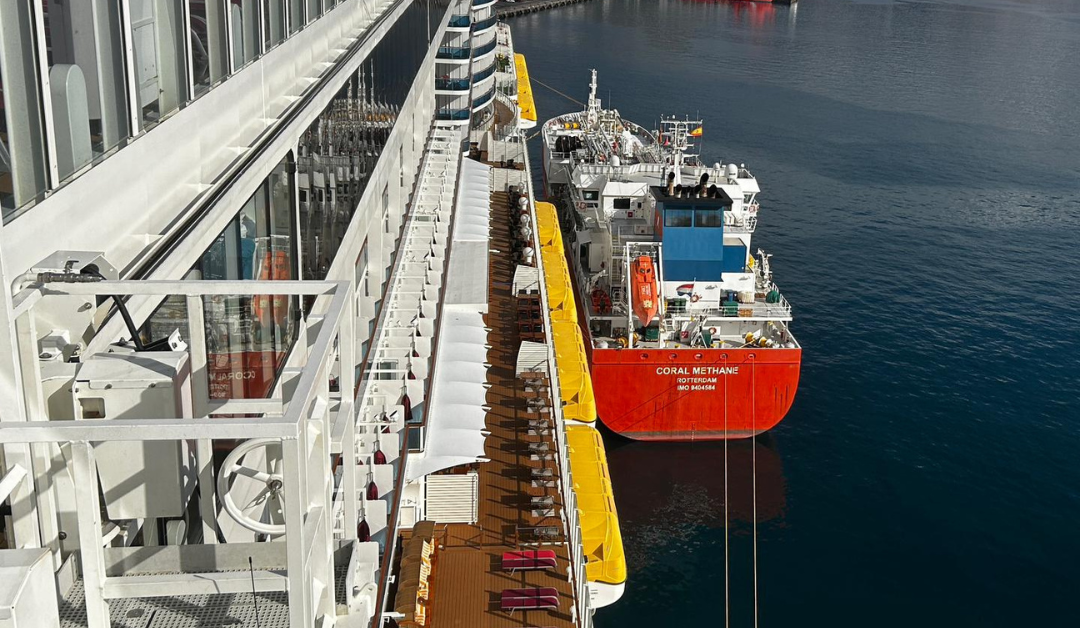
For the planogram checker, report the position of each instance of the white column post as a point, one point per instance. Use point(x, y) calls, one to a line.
point(347, 386)
point(91, 553)
point(295, 552)
point(200, 390)
point(134, 111)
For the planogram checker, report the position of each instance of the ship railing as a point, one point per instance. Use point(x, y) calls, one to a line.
point(741, 225)
point(759, 310)
point(582, 610)
point(621, 171)
point(305, 421)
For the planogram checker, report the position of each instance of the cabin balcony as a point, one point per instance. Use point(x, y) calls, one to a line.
point(459, 22)
point(446, 84)
point(453, 53)
point(483, 25)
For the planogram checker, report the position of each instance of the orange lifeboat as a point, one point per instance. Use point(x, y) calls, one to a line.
point(643, 286)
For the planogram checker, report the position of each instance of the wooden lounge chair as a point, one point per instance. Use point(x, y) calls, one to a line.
point(528, 560)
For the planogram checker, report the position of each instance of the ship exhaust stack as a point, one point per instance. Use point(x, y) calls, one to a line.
point(704, 186)
point(670, 183)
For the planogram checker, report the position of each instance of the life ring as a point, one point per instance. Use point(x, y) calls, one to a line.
point(581, 205)
point(695, 298)
point(712, 330)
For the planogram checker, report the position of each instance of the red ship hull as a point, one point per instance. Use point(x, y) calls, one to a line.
point(693, 394)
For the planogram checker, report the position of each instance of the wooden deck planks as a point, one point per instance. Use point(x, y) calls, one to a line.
point(468, 580)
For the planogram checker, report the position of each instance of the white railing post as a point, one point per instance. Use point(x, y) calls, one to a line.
point(91, 553)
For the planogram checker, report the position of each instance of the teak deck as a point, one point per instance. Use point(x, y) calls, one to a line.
point(467, 577)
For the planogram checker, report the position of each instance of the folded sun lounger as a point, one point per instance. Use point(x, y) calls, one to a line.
point(528, 560)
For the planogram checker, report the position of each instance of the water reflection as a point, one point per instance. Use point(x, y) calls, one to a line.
point(669, 493)
point(752, 12)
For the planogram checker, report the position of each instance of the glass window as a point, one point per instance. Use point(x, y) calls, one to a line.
point(590, 195)
point(209, 43)
point(296, 15)
point(709, 218)
point(678, 218)
point(273, 22)
point(245, 31)
point(314, 9)
point(338, 152)
point(621, 203)
point(157, 41)
point(22, 145)
point(247, 337)
point(87, 84)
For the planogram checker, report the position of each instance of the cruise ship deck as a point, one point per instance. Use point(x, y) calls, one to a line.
point(520, 502)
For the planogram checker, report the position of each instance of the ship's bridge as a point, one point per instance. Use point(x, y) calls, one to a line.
point(690, 227)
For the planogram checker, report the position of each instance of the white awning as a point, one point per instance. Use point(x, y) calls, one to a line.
point(456, 427)
point(472, 216)
point(467, 278)
point(532, 358)
point(526, 280)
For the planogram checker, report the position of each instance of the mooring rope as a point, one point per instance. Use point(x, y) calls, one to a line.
point(753, 445)
point(543, 84)
point(727, 570)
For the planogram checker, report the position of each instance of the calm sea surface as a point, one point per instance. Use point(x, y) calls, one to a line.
point(920, 165)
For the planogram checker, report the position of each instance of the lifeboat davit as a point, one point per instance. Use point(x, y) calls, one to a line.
point(643, 286)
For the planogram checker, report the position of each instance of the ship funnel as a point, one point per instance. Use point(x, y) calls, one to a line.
point(713, 192)
point(670, 183)
point(704, 179)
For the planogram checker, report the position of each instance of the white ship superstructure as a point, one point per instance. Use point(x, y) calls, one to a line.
point(606, 168)
point(251, 307)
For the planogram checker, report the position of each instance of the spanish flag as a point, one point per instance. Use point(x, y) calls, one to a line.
point(696, 132)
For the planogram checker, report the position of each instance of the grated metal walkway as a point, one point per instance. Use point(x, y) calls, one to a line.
point(226, 610)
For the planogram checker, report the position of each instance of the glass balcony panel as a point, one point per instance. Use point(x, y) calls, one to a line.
point(452, 114)
point(483, 50)
point(209, 43)
point(273, 22)
point(485, 24)
point(160, 72)
point(22, 140)
point(247, 43)
point(296, 15)
point(483, 74)
point(88, 85)
point(483, 100)
point(452, 84)
point(453, 52)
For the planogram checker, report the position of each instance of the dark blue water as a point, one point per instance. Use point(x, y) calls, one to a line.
point(921, 171)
